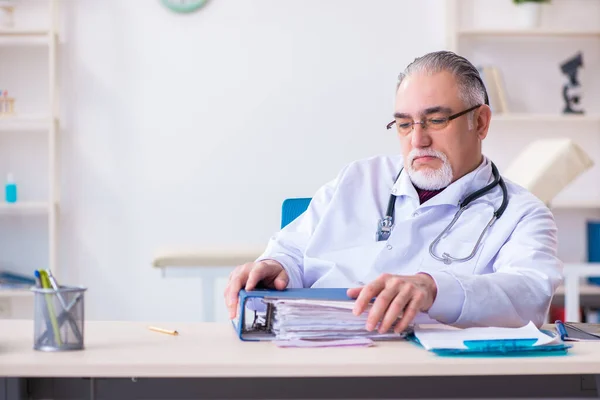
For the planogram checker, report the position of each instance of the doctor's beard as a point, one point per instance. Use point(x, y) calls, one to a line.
point(429, 178)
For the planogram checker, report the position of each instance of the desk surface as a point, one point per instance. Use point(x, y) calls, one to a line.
point(129, 349)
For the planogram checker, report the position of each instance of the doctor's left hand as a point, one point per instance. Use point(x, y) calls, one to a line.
point(395, 296)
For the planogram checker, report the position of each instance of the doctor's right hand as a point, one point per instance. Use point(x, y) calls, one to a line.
point(269, 273)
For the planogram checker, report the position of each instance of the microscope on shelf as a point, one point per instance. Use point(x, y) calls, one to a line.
point(570, 90)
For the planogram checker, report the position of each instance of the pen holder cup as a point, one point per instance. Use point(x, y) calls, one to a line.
point(58, 318)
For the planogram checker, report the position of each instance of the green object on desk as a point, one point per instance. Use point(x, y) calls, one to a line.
point(46, 285)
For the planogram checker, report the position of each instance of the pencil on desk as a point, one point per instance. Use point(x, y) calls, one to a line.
point(161, 330)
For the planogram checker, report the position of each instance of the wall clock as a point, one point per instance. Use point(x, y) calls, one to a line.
point(183, 6)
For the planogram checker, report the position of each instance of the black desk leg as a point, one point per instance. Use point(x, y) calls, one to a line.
point(13, 388)
point(92, 388)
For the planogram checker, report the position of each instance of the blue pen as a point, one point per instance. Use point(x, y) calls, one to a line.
point(560, 327)
point(38, 282)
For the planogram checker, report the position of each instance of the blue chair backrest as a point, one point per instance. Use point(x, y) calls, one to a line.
point(292, 208)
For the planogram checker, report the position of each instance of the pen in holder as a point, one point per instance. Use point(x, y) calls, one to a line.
point(58, 318)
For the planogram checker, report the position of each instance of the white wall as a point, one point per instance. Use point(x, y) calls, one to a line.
point(191, 129)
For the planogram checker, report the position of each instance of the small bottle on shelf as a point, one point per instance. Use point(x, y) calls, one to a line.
point(11, 189)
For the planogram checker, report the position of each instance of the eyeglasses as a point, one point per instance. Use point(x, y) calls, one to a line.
point(436, 123)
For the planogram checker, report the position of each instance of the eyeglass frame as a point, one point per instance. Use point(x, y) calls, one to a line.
point(450, 118)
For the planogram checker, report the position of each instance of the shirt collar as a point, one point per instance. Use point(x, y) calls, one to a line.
point(454, 193)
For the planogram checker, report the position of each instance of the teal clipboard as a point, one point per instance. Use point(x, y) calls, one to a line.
point(503, 347)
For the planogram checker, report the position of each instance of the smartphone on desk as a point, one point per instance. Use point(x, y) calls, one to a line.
point(578, 331)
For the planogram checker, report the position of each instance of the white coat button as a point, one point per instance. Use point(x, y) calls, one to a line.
point(389, 246)
point(394, 191)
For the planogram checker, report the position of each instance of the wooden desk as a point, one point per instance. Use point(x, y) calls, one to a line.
point(208, 360)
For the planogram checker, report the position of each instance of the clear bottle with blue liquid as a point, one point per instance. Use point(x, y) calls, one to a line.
point(11, 189)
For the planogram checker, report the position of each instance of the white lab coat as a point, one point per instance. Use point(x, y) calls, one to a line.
point(509, 282)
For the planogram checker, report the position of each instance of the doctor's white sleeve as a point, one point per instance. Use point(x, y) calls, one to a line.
point(287, 246)
point(526, 274)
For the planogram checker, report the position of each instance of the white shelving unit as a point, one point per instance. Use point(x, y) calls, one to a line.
point(584, 127)
point(458, 39)
point(36, 124)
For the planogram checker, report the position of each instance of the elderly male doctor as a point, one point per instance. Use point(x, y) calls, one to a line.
point(441, 119)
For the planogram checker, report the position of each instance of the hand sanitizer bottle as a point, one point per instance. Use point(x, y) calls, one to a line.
point(11, 189)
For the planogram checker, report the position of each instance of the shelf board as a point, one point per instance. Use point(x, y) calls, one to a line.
point(585, 289)
point(24, 123)
point(525, 117)
point(13, 37)
point(530, 32)
point(576, 204)
point(24, 32)
point(24, 208)
point(4, 292)
point(205, 257)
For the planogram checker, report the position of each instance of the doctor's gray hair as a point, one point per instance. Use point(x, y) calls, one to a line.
point(471, 89)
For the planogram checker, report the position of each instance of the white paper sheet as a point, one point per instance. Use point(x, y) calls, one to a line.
point(358, 342)
point(448, 338)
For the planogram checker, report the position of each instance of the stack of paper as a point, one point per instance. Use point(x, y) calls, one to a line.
point(295, 319)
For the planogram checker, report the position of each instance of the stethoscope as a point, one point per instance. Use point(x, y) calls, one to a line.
point(385, 225)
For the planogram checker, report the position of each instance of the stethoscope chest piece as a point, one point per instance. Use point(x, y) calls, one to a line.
point(384, 229)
